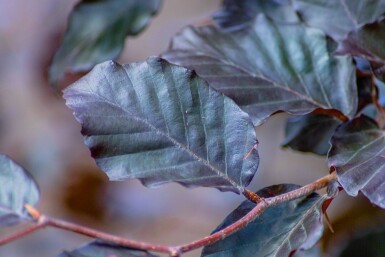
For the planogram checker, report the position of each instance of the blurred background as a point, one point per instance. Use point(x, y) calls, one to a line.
point(39, 132)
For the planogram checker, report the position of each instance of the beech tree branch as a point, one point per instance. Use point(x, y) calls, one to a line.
point(22, 233)
point(174, 251)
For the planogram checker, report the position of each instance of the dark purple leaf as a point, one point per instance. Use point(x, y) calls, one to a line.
point(368, 243)
point(279, 231)
point(240, 14)
point(270, 68)
point(96, 33)
point(310, 133)
point(17, 188)
point(338, 17)
point(161, 123)
point(101, 249)
point(366, 42)
point(358, 155)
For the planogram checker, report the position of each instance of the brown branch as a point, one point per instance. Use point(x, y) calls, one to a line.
point(175, 251)
point(107, 237)
point(22, 233)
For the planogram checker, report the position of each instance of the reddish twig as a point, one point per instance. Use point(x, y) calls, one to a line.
point(107, 237)
point(175, 251)
point(22, 233)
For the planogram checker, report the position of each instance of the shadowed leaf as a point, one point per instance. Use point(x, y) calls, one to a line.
point(338, 17)
point(162, 123)
point(269, 68)
point(240, 14)
point(101, 249)
point(366, 42)
point(17, 188)
point(280, 230)
point(96, 33)
point(358, 155)
point(310, 133)
point(370, 243)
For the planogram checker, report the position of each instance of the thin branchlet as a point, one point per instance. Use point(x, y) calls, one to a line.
point(262, 204)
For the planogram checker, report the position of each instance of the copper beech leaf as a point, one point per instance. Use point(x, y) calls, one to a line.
point(310, 133)
point(17, 188)
point(161, 123)
point(358, 155)
point(279, 231)
point(96, 33)
point(271, 67)
point(101, 249)
point(338, 17)
point(367, 42)
point(240, 14)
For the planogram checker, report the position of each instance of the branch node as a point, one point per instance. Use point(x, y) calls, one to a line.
point(250, 195)
point(175, 252)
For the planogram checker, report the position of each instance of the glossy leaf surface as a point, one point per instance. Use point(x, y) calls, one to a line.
point(338, 17)
point(269, 68)
point(240, 14)
point(279, 231)
point(101, 249)
point(162, 123)
point(96, 33)
point(357, 154)
point(310, 133)
point(17, 188)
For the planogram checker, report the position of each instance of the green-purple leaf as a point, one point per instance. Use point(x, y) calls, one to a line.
point(358, 155)
point(269, 68)
point(96, 33)
point(101, 249)
point(161, 123)
point(310, 133)
point(279, 231)
point(17, 188)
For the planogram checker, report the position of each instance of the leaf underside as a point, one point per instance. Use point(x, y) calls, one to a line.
point(269, 68)
point(17, 188)
point(358, 155)
point(279, 231)
point(94, 35)
point(161, 123)
point(310, 133)
point(101, 249)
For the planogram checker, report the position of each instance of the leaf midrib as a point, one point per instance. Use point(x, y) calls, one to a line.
point(173, 140)
point(301, 221)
